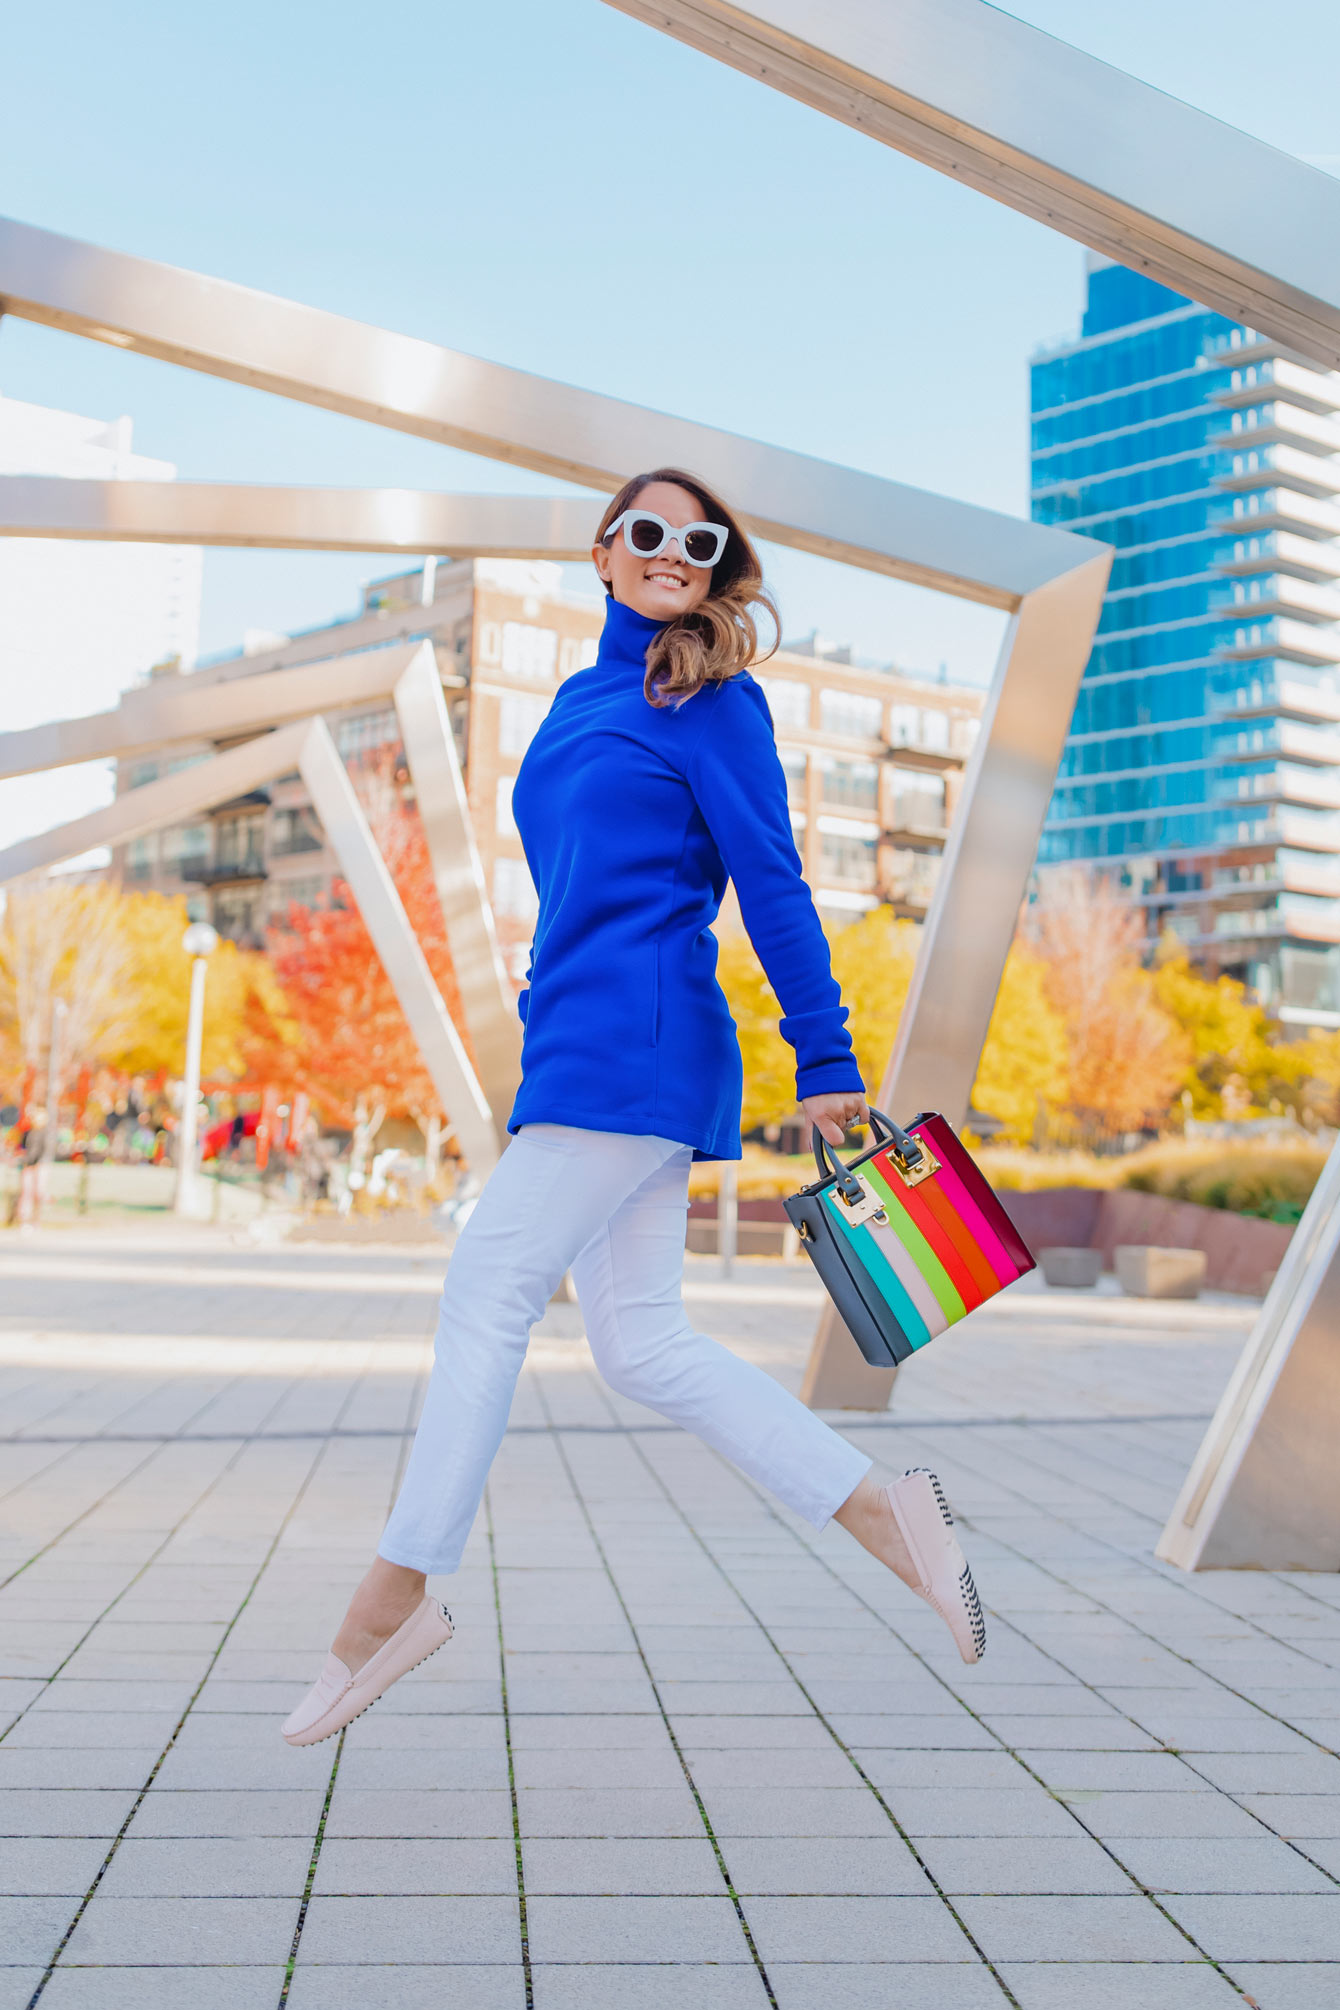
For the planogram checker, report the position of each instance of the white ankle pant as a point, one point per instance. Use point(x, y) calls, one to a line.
point(610, 1207)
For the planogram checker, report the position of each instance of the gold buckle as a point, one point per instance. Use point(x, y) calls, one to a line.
point(869, 1208)
point(914, 1175)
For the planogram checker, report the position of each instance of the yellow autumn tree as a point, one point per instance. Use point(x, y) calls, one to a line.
point(1024, 1074)
point(769, 1064)
point(159, 984)
point(1237, 1064)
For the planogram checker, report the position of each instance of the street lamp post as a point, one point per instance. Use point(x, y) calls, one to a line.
point(200, 941)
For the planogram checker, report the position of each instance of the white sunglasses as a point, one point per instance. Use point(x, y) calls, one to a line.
point(648, 535)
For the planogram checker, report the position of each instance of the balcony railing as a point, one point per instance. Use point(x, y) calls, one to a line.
point(223, 872)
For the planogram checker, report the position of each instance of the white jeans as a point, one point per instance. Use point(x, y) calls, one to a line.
point(610, 1207)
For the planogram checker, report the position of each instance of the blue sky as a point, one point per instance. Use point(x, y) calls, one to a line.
point(553, 185)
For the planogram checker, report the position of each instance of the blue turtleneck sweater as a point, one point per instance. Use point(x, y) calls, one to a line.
point(633, 817)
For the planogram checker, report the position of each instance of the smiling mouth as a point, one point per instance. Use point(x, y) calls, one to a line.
point(666, 579)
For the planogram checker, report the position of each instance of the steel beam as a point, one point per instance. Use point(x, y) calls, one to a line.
point(372, 886)
point(1071, 141)
point(983, 881)
point(487, 996)
point(1264, 1490)
point(287, 519)
point(308, 747)
point(415, 387)
point(172, 709)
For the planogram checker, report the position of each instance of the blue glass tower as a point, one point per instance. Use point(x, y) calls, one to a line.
point(1203, 764)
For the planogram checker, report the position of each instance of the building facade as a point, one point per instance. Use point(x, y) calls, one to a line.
point(1203, 764)
point(874, 758)
point(80, 621)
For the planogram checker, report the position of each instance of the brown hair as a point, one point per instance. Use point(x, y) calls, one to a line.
point(720, 636)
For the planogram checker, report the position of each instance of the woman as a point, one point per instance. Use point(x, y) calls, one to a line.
point(653, 779)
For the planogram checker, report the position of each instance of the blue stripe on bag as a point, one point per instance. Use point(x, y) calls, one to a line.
point(883, 1276)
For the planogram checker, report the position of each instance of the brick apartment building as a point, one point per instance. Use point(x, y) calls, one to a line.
point(874, 757)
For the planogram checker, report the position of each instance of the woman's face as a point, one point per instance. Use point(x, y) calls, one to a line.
point(663, 587)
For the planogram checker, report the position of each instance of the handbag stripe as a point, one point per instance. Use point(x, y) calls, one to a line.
point(925, 1258)
point(916, 1201)
point(954, 1226)
point(1018, 1256)
point(956, 1191)
point(914, 1283)
point(872, 1259)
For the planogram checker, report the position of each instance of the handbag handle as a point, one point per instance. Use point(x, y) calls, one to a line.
point(906, 1150)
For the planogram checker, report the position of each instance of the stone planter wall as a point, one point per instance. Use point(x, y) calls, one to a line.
point(1240, 1250)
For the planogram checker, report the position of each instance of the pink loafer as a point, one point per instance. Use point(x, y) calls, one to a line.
point(338, 1697)
point(922, 1513)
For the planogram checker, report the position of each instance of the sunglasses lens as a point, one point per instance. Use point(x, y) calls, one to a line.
point(701, 546)
point(643, 535)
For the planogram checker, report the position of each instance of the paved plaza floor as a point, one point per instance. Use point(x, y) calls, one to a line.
point(683, 1754)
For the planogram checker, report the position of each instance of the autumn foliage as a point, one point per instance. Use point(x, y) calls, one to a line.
point(334, 1026)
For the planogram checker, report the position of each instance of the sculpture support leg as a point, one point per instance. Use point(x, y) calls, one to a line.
point(1264, 1490)
point(983, 881)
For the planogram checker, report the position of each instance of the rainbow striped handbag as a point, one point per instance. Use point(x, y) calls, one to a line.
point(908, 1238)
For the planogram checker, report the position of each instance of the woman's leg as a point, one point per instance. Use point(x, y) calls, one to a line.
point(628, 1279)
point(545, 1199)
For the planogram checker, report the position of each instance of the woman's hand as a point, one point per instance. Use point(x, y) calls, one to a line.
point(833, 1112)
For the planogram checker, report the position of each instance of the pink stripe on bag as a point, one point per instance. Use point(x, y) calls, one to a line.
point(983, 1234)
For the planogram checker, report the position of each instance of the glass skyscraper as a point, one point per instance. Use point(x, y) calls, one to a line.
point(1203, 764)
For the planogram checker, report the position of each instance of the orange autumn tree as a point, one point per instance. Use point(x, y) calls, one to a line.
point(1127, 1056)
point(339, 1032)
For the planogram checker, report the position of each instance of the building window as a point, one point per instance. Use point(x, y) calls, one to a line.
point(846, 712)
point(490, 642)
point(919, 726)
point(788, 701)
point(294, 830)
point(503, 820)
point(184, 843)
point(518, 722)
point(513, 890)
point(576, 652)
point(918, 800)
point(528, 652)
point(240, 843)
point(287, 893)
point(141, 857)
point(142, 772)
point(848, 859)
point(794, 762)
point(854, 784)
point(368, 730)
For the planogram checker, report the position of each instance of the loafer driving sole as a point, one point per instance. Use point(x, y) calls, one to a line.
point(337, 1697)
point(945, 1581)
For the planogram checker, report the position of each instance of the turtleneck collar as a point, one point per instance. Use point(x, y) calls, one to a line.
point(627, 635)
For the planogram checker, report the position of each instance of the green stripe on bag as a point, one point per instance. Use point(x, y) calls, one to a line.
point(917, 1247)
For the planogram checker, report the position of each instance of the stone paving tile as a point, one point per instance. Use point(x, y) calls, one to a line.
point(40, 1866)
point(424, 1866)
point(854, 1929)
point(1072, 1929)
point(631, 1766)
point(359, 1811)
point(1261, 1926)
point(842, 1866)
point(236, 1867)
point(607, 1811)
point(651, 1930)
point(1297, 1814)
point(194, 1988)
point(17, 1986)
point(31, 1927)
point(185, 1932)
point(1074, 1865)
point(1127, 1985)
point(25, 1812)
point(795, 1811)
point(1225, 1864)
point(596, 1866)
point(1295, 1985)
point(418, 1930)
point(682, 1985)
point(167, 1813)
point(407, 1987)
point(1165, 1814)
point(900, 1985)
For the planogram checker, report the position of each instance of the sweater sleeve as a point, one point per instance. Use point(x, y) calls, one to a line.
point(740, 787)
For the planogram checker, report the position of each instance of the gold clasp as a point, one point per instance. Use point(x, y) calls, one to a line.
point(914, 1175)
point(868, 1208)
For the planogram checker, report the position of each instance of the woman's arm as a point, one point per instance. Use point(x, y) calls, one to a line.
point(738, 783)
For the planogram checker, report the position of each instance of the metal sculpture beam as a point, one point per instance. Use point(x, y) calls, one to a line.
point(171, 711)
point(1264, 1490)
point(1071, 141)
point(439, 394)
point(287, 519)
point(309, 748)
